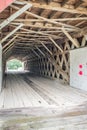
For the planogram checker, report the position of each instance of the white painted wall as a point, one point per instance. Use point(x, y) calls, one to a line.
point(78, 68)
point(0, 67)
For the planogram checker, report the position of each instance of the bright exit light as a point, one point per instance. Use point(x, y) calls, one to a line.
point(14, 65)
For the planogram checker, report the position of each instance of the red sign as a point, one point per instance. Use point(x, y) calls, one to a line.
point(4, 4)
point(80, 71)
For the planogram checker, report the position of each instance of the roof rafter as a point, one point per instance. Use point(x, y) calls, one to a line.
point(56, 44)
point(59, 19)
point(56, 7)
point(11, 33)
point(70, 38)
point(14, 16)
point(44, 19)
point(8, 43)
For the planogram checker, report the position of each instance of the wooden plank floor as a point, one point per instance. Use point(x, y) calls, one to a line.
point(23, 90)
point(36, 103)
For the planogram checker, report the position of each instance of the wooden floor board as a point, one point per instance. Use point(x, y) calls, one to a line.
point(60, 93)
point(25, 90)
point(66, 93)
point(35, 98)
point(16, 92)
point(2, 99)
point(8, 96)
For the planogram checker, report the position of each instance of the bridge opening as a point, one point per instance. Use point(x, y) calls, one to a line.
point(14, 65)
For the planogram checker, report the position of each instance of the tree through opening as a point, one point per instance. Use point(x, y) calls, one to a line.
point(14, 65)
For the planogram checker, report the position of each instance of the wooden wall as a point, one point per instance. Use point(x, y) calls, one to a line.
point(56, 65)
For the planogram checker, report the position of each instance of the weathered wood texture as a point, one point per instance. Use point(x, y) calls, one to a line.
point(26, 90)
point(50, 30)
point(29, 102)
point(65, 121)
point(56, 65)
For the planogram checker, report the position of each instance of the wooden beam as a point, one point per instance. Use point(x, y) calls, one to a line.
point(41, 33)
point(31, 39)
point(9, 42)
point(40, 51)
point(81, 22)
point(10, 46)
point(83, 41)
point(56, 44)
point(59, 19)
point(35, 52)
point(44, 19)
point(31, 43)
point(11, 33)
point(36, 32)
point(15, 15)
point(77, 4)
point(70, 38)
point(59, 68)
point(22, 47)
point(46, 48)
point(57, 7)
point(64, 2)
point(46, 27)
point(31, 35)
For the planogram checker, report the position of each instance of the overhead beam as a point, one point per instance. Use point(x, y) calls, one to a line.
point(41, 33)
point(36, 32)
point(46, 27)
point(52, 40)
point(70, 38)
point(11, 33)
point(64, 2)
point(9, 42)
point(35, 53)
point(59, 19)
point(31, 35)
point(44, 19)
point(40, 51)
point(46, 48)
point(9, 47)
point(15, 15)
point(57, 7)
point(31, 39)
point(77, 4)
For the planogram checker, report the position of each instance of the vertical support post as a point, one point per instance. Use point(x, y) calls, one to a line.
point(1, 72)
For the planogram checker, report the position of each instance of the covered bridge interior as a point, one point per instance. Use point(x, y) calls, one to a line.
point(41, 33)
